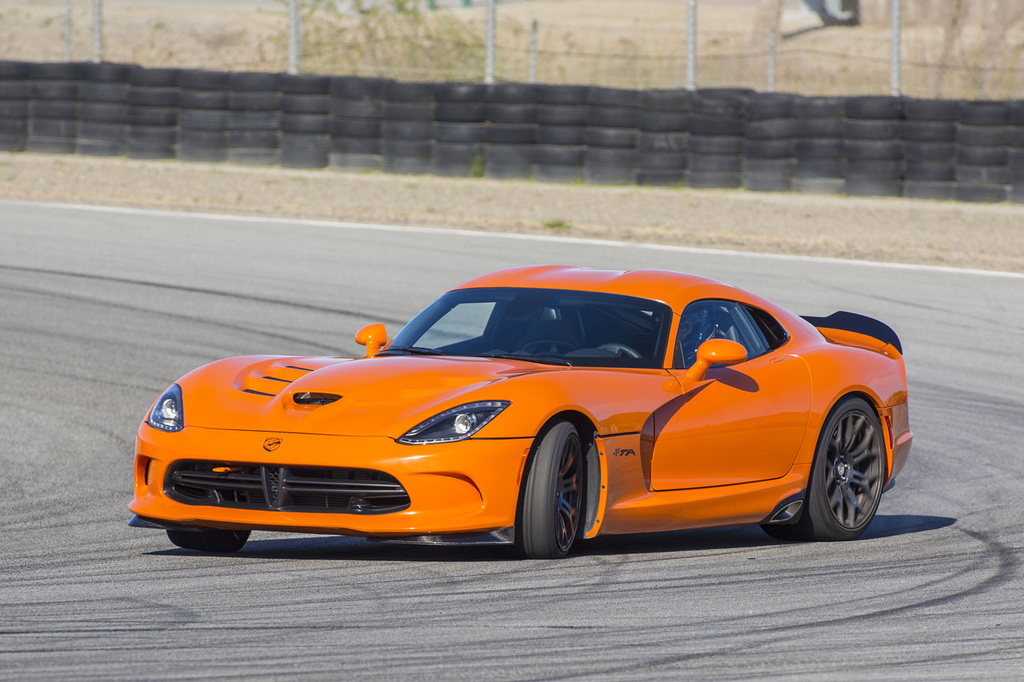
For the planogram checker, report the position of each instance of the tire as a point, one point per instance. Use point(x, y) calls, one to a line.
point(850, 441)
point(520, 114)
point(566, 135)
point(716, 144)
point(574, 95)
point(462, 93)
point(561, 115)
point(982, 156)
point(874, 107)
point(930, 109)
point(928, 171)
point(217, 541)
point(769, 149)
point(702, 124)
point(995, 136)
point(929, 131)
point(305, 104)
point(924, 189)
point(460, 112)
point(662, 121)
point(610, 137)
point(599, 96)
point(819, 127)
point(770, 128)
point(984, 113)
point(552, 496)
point(663, 142)
point(986, 194)
point(673, 100)
point(856, 129)
point(611, 117)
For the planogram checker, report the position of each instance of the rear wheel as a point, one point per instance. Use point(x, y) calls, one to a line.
point(216, 541)
point(552, 496)
point(846, 479)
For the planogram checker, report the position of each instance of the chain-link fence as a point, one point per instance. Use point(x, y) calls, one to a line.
point(952, 49)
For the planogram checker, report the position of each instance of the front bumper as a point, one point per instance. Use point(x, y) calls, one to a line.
point(465, 487)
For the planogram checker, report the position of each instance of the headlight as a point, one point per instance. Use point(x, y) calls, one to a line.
point(455, 424)
point(167, 414)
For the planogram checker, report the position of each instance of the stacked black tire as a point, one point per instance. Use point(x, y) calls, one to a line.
point(53, 108)
point(561, 133)
point(305, 121)
point(511, 132)
point(663, 120)
point(15, 96)
point(610, 137)
point(716, 138)
point(1016, 161)
point(407, 128)
point(982, 154)
point(254, 119)
point(929, 148)
point(102, 109)
point(203, 115)
point(769, 147)
point(873, 146)
point(357, 105)
point(820, 164)
point(152, 131)
point(460, 113)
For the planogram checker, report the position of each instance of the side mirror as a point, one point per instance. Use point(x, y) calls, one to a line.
point(374, 337)
point(715, 352)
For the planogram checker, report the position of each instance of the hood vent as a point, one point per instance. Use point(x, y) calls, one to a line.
point(309, 398)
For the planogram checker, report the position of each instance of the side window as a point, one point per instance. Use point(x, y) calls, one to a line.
point(774, 333)
point(716, 319)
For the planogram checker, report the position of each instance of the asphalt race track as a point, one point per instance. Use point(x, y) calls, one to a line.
point(101, 310)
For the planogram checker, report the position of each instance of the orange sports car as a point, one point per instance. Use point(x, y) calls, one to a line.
point(541, 406)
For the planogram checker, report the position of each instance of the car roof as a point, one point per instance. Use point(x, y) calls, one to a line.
point(674, 288)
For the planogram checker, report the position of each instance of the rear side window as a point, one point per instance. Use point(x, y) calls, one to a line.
point(774, 333)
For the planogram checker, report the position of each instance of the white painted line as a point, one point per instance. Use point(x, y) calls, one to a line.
point(510, 235)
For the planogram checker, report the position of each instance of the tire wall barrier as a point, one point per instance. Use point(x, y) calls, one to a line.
point(708, 138)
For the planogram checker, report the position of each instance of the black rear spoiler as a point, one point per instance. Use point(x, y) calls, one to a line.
point(859, 324)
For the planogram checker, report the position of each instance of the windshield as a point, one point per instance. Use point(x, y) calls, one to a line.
point(543, 325)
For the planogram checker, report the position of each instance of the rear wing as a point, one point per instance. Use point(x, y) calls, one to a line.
point(858, 324)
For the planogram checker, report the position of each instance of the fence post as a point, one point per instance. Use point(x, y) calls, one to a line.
point(533, 51)
point(691, 46)
point(491, 31)
point(895, 67)
point(772, 35)
point(67, 32)
point(294, 37)
point(97, 30)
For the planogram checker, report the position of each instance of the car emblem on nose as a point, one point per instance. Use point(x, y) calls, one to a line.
point(271, 444)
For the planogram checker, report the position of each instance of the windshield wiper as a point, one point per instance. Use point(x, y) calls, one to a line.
point(528, 358)
point(412, 350)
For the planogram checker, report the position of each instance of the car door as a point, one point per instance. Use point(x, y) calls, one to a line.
point(741, 423)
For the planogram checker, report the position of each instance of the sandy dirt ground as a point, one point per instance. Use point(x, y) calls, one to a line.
point(989, 237)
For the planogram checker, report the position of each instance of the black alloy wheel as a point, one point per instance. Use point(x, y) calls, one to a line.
point(552, 496)
point(846, 480)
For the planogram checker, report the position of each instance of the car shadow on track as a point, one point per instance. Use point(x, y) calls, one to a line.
point(340, 548)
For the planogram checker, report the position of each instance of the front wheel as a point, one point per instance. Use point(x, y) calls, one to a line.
point(215, 541)
point(552, 496)
point(847, 477)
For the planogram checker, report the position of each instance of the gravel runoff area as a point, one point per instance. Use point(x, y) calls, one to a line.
point(986, 237)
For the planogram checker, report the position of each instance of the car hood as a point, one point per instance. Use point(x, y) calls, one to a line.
point(383, 396)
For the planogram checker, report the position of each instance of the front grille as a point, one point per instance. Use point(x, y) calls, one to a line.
point(285, 488)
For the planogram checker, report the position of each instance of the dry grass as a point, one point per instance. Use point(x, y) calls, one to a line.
point(951, 48)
